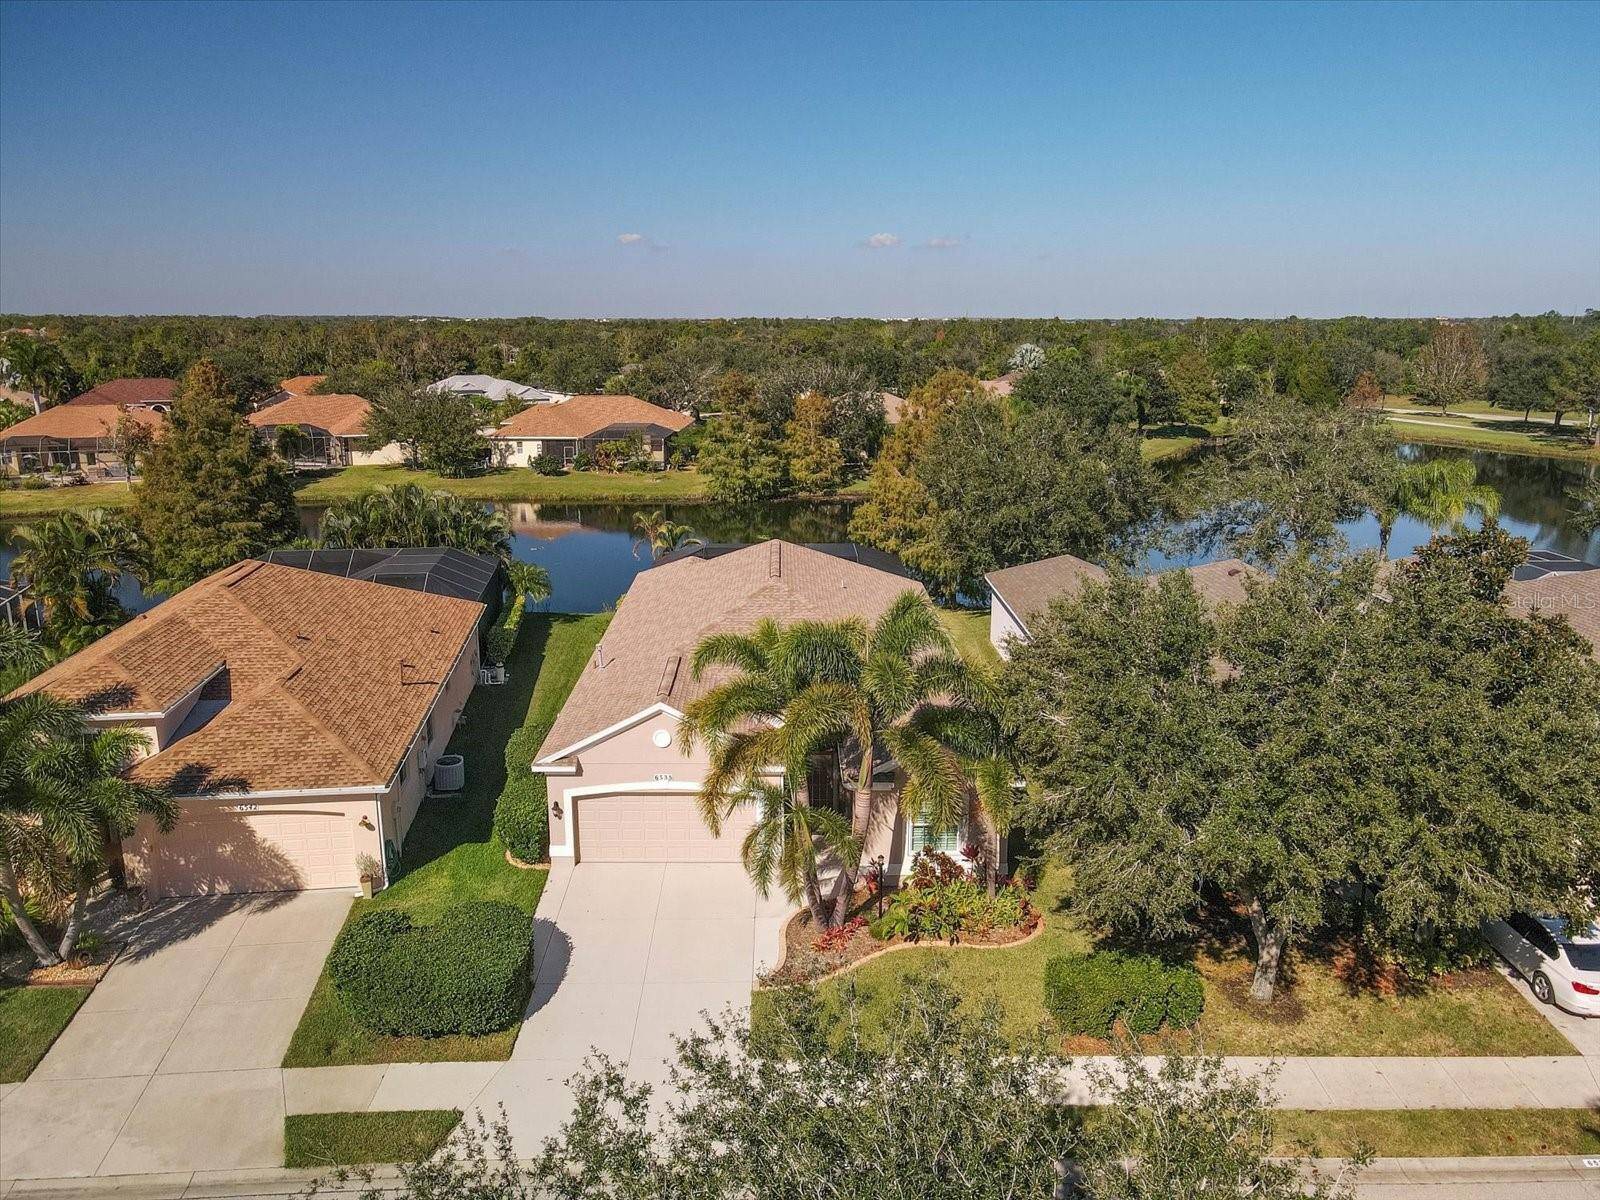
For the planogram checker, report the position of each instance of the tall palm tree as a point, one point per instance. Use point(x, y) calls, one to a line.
point(35, 363)
point(73, 561)
point(1441, 492)
point(63, 794)
point(660, 535)
point(788, 842)
point(893, 691)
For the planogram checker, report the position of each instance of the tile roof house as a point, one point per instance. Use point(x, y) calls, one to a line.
point(333, 426)
point(567, 428)
point(1021, 593)
point(621, 787)
point(296, 715)
point(80, 435)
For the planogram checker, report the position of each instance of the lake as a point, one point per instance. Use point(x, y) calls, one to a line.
point(590, 553)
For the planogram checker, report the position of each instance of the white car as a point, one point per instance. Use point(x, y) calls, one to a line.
point(1562, 969)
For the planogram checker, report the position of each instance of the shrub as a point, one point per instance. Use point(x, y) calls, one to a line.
point(947, 908)
point(522, 822)
point(502, 638)
point(469, 972)
point(1086, 993)
point(547, 464)
point(583, 462)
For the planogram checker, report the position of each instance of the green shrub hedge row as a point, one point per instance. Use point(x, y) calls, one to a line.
point(469, 972)
point(1086, 993)
point(503, 637)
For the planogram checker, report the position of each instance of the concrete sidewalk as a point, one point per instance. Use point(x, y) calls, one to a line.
point(1550, 1178)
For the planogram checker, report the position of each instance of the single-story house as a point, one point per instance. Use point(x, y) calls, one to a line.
point(333, 427)
point(1024, 592)
point(296, 716)
point(621, 787)
point(81, 434)
point(567, 428)
point(496, 392)
point(1555, 585)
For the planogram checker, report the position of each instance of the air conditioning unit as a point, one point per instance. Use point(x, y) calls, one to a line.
point(451, 773)
point(492, 675)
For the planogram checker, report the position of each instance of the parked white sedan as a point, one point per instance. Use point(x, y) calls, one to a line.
point(1562, 969)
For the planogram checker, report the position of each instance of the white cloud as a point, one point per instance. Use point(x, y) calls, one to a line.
point(630, 239)
point(882, 241)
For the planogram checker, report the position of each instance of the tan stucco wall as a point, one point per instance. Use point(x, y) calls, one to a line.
point(406, 796)
point(384, 456)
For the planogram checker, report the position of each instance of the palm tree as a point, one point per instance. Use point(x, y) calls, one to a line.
point(63, 794)
point(1440, 492)
point(661, 535)
point(529, 581)
point(409, 515)
point(892, 692)
point(73, 562)
point(787, 843)
point(20, 648)
point(35, 363)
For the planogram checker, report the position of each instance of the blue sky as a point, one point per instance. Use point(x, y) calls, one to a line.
point(888, 160)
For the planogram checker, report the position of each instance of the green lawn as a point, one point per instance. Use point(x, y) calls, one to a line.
point(31, 1018)
point(350, 1139)
point(519, 483)
point(969, 629)
point(451, 854)
point(1494, 435)
point(21, 503)
point(1473, 1013)
point(1439, 1132)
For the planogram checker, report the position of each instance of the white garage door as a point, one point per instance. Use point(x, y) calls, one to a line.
point(654, 828)
point(211, 851)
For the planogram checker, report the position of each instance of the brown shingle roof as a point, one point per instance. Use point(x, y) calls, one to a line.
point(583, 416)
point(340, 413)
point(1028, 589)
point(326, 679)
point(671, 607)
point(1573, 594)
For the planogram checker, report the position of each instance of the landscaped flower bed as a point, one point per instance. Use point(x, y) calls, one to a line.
point(939, 903)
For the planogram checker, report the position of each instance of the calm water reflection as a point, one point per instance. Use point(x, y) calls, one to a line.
point(590, 553)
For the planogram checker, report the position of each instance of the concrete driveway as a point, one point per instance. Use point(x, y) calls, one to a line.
point(628, 956)
point(172, 1063)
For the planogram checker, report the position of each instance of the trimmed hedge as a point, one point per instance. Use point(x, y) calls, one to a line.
point(502, 638)
point(522, 818)
point(1086, 993)
point(469, 972)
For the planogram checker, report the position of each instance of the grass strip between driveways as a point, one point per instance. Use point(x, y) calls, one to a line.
point(349, 1139)
point(451, 854)
point(1474, 1012)
point(31, 1018)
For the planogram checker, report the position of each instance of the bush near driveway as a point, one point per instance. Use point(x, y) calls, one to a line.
point(1087, 993)
point(468, 972)
point(451, 854)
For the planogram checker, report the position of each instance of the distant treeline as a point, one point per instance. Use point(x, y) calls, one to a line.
point(676, 362)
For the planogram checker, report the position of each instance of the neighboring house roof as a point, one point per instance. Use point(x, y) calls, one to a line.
point(340, 413)
point(643, 659)
point(1027, 590)
point(1556, 585)
point(129, 391)
point(849, 551)
point(439, 570)
point(498, 390)
point(584, 416)
point(76, 420)
point(1002, 385)
point(301, 385)
point(308, 681)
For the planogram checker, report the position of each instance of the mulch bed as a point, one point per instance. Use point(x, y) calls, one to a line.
point(85, 971)
point(809, 955)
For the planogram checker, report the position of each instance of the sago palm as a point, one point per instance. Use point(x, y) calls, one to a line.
point(894, 690)
point(1440, 492)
